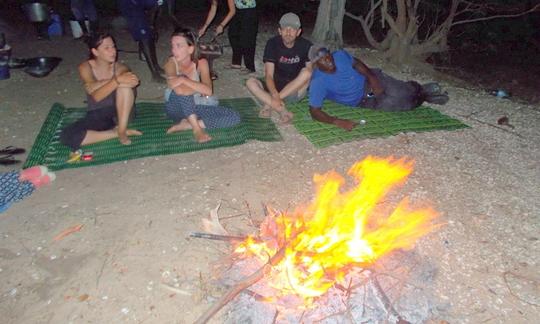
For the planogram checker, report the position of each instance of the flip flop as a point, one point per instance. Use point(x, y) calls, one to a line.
point(8, 160)
point(12, 150)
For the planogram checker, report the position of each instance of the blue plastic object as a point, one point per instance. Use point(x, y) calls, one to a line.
point(55, 28)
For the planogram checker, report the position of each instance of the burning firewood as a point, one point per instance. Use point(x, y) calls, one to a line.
point(303, 254)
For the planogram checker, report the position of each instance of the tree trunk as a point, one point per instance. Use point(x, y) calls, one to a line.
point(329, 25)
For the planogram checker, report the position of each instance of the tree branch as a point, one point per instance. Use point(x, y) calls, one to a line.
point(467, 21)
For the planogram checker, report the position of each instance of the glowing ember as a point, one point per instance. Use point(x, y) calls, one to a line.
point(338, 230)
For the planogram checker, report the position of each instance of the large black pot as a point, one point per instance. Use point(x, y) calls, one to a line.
point(41, 66)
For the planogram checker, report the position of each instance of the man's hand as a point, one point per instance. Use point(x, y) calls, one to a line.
point(319, 115)
point(347, 125)
point(277, 104)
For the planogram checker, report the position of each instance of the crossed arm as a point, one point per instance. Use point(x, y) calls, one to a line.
point(99, 90)
point(183, 85)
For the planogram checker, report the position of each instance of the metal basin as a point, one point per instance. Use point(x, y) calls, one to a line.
point(41, 66)
point(36, 12)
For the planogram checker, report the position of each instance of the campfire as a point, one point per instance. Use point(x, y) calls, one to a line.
point(297, 257)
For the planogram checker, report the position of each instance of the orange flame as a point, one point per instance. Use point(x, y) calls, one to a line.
point(339, 230)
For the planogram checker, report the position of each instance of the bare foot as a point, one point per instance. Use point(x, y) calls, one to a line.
point(181, 126)
point(201, 136)
point(123, 138)
point(133, 132)
point(265, 112)
point(285, 117)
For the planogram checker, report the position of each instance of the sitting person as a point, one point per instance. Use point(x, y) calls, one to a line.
point(110, 88)
point(286, 75)
point(346, 80)
point(188, 78)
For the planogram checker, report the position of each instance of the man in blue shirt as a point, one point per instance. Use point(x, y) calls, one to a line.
point(346, 80)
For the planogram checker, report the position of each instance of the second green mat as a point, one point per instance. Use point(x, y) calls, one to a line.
point(151, 120)
point(377, 123)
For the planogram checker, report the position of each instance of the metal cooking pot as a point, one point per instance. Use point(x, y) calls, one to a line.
point(37, 12)
point(41, 66)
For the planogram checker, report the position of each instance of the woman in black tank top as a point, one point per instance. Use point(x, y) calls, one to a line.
point(110, 88)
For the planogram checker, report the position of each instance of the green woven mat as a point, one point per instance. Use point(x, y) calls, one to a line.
point(378, 123)
point(151, 120)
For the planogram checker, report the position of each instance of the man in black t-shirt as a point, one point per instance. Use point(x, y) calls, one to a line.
point(286, 67)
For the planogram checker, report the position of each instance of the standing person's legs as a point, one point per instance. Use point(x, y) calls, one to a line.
point(235, 41)
point(90, 11)
point(249, 29)
point(77, 8)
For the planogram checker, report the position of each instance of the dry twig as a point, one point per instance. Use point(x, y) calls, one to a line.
point(240, 286)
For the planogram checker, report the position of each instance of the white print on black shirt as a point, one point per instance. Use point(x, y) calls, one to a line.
point(289, 60)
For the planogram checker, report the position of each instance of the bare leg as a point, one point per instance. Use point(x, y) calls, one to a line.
point(93, 136)
point(198, 131)
point(255, 86)
point(124, 103)
point(98, 136)
point(298, 85)
point(181, 126)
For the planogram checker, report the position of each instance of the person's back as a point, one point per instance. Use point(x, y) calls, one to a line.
point(345, 85)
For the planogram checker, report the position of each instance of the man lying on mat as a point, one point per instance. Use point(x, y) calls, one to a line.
point(110, 88)
point(346, 80)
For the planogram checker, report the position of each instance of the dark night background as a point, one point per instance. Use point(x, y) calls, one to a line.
point(494, 54)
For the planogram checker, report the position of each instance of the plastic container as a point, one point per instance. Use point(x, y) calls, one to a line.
point(5, 54)
point(37, 12)
point(76, 30)
point(55, 27)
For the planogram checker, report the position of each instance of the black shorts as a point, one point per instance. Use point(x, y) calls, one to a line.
point(98, 120)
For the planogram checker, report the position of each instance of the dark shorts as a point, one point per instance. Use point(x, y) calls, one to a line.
point(98, 120)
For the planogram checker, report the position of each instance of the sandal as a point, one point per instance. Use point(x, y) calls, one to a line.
point(265, 112)
point(8, 160)
point(213, 76)
point(12, 150)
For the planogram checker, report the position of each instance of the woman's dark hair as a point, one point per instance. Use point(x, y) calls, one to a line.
point(95, 40)
point(191, 40)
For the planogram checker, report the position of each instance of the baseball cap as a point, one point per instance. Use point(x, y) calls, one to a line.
point(317, 51)
point(289, 20)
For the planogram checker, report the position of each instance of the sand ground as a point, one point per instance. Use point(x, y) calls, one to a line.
point(137, 214)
